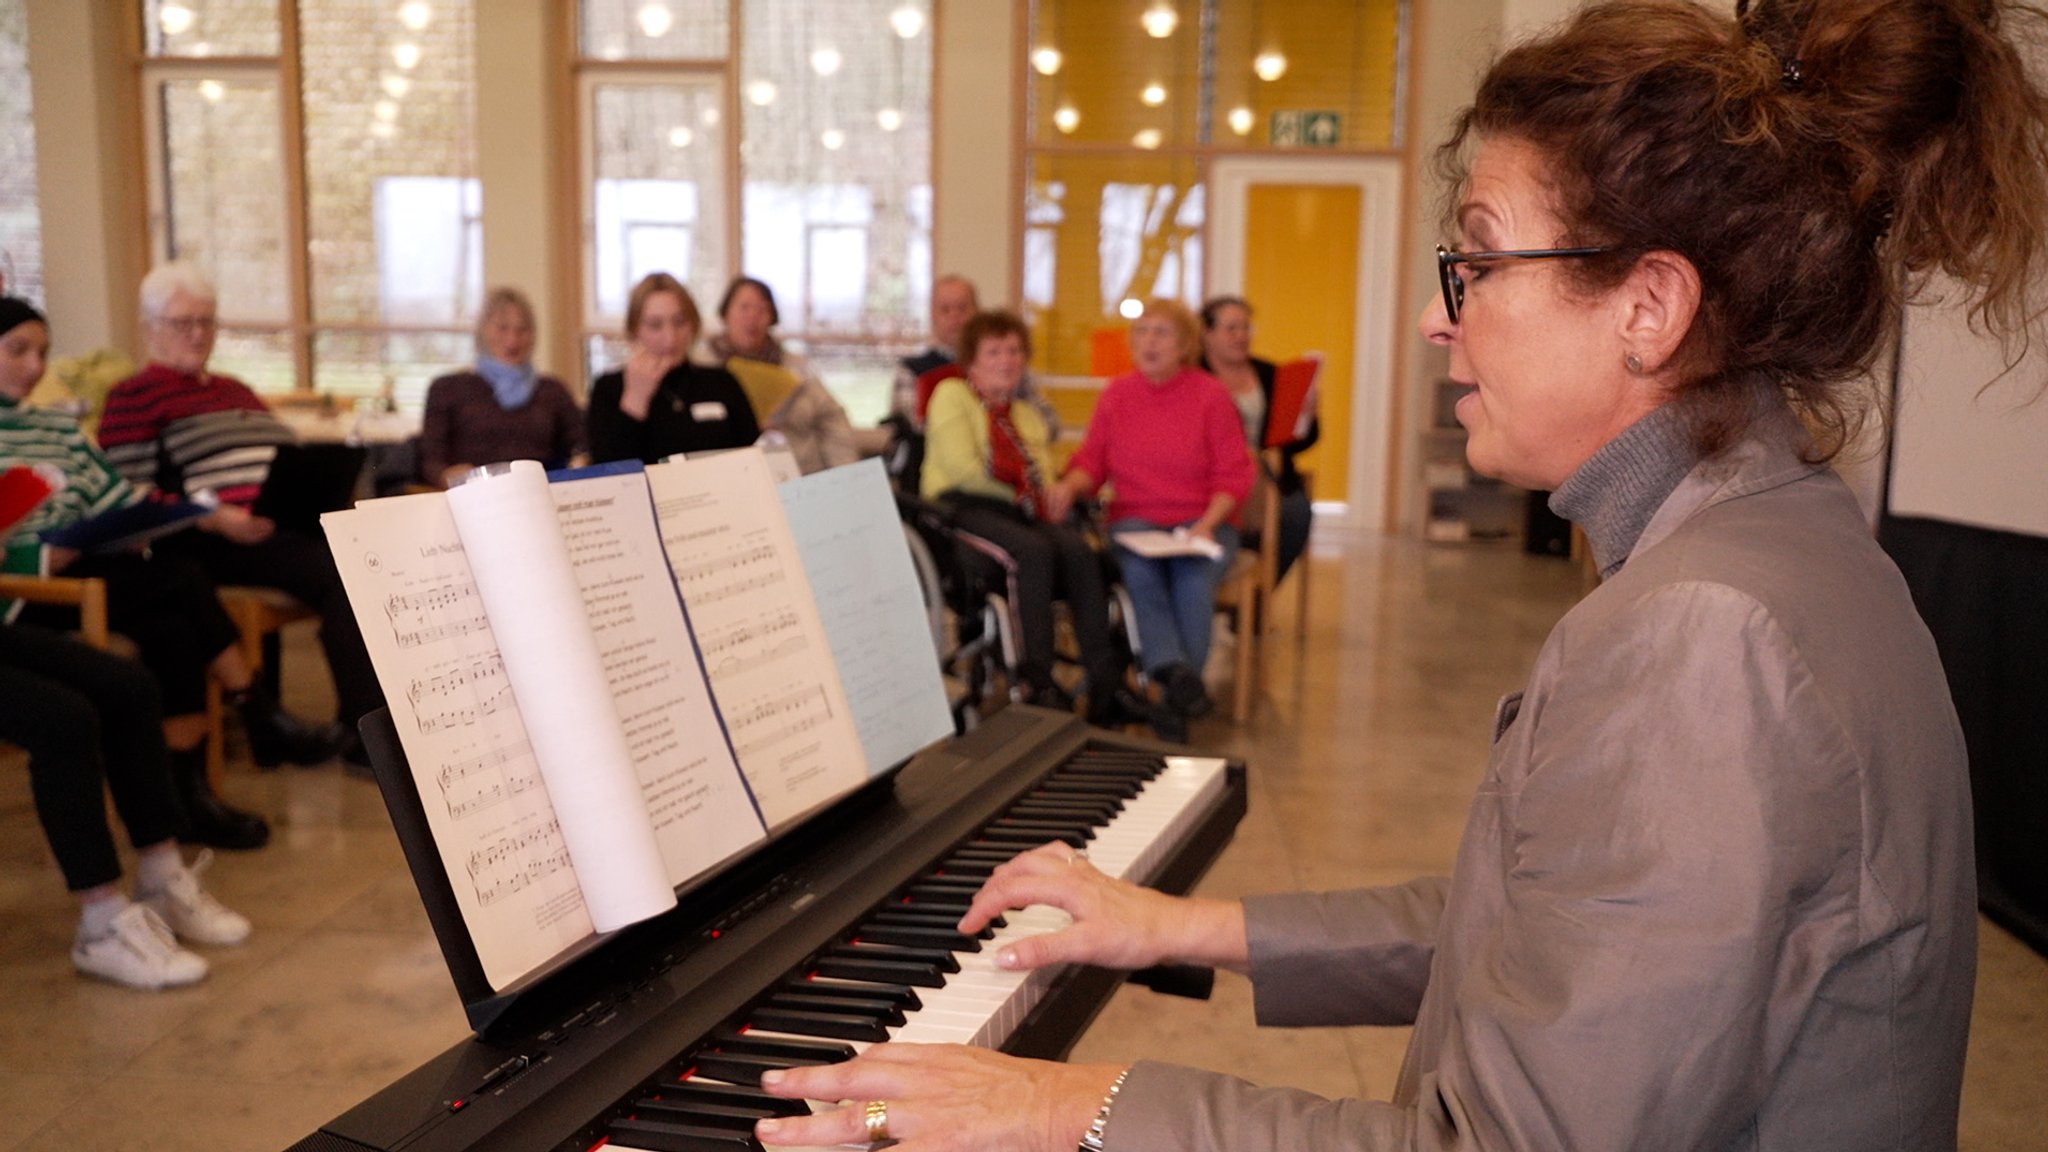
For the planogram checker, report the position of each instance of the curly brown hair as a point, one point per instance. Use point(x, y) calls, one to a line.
point(1815, 161)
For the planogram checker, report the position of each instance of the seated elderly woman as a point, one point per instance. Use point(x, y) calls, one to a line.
point(1168, 440)
point(809, 418)
point(90, 722)
point(986, 460)
point(502, 409)
point(1227, 355)
point(658, 404)
point(178, 428)
point(160, 599)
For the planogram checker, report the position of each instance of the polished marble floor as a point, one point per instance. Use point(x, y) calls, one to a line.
point(1365, 749)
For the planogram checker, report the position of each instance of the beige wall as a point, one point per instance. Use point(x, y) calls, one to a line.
point(88, 187)
point(520, 106)
point(976, 171)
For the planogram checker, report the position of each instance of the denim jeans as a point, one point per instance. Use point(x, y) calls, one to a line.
point(1173, 598)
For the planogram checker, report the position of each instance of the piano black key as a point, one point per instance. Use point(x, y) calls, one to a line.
point(939, 906)
point(1030, 839)
point(901, 995)
point(976, 870)
point(917, 937)
point(805, 1022)
point(944, 891)
point(817, 1052)
point(1103, 772)
point(666, 1136)
point(1053, 827)
point(744, 1067)
point(897, 914)
point(1122, 789)
point(993, 854)
point(1095, 813)
point(939, 958)
point(880, 971)
point(685, 1092)
point(708, 1115)
point(1117, 755)
point(884, 1010)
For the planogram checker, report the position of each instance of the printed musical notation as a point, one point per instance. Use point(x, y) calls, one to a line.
point(771, 721)
point(419, 618)
point(473, 785)
point(733, 574)
point(741, 647)
point(511, 862)
point(461, 695)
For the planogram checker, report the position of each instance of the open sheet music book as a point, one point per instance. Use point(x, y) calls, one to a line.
point(580, 750)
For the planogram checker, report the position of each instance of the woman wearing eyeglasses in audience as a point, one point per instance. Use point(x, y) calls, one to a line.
point(1716, 889)
point(1227, 355)
point(658, 404)
point(502, 409)
point(181, 429)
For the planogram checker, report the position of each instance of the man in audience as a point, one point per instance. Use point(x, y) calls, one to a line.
point(207, 438)
point(954, 300)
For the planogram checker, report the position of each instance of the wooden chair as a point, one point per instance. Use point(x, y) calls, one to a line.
point(248, 607)
point(1269, 558)
point(1242, 595)
point(258, 614)
point(88, 595)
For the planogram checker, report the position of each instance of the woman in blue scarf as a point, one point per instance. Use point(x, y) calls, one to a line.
point(501, 410)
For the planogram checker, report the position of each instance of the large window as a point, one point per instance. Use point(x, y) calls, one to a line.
point(317, 160)
point(786, 139)
point(21, 234)
point(1130, 99)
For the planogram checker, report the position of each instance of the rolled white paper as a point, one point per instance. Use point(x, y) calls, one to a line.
point(510, 532)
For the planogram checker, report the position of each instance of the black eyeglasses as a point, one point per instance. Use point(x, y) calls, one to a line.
point(1448, 259)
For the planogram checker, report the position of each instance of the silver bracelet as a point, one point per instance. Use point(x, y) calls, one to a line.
point(1091, 1140)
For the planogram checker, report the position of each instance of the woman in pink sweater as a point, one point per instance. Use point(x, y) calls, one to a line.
point(1167, 440)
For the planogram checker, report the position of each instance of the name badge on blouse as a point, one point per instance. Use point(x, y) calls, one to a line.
point(705, 411)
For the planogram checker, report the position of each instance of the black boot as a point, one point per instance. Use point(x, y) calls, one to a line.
point(278, 737)
point(208, 820)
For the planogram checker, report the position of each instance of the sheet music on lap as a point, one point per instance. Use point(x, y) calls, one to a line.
point(556, 811)
point(851, 540)
point(758, 629)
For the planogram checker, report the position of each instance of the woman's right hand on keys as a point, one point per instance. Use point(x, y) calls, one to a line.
point(1117, 924)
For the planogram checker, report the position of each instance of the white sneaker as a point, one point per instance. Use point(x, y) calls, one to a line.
point(192, 912)
point(138, 950)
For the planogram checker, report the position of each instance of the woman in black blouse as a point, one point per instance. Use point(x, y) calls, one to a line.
point(658, 404)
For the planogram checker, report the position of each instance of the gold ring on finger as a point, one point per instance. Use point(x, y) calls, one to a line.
point(876, 1118)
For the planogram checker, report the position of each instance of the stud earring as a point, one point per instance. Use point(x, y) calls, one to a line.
point(1634, 363)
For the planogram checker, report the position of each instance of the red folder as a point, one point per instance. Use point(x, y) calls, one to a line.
point(1294, 400)
point(21, 489)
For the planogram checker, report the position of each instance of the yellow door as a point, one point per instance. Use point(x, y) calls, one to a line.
point(1301, 275)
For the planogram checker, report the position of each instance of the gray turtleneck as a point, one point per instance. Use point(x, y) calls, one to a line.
point(1613, 495)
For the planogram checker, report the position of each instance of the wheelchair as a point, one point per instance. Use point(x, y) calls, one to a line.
point(971, 593)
